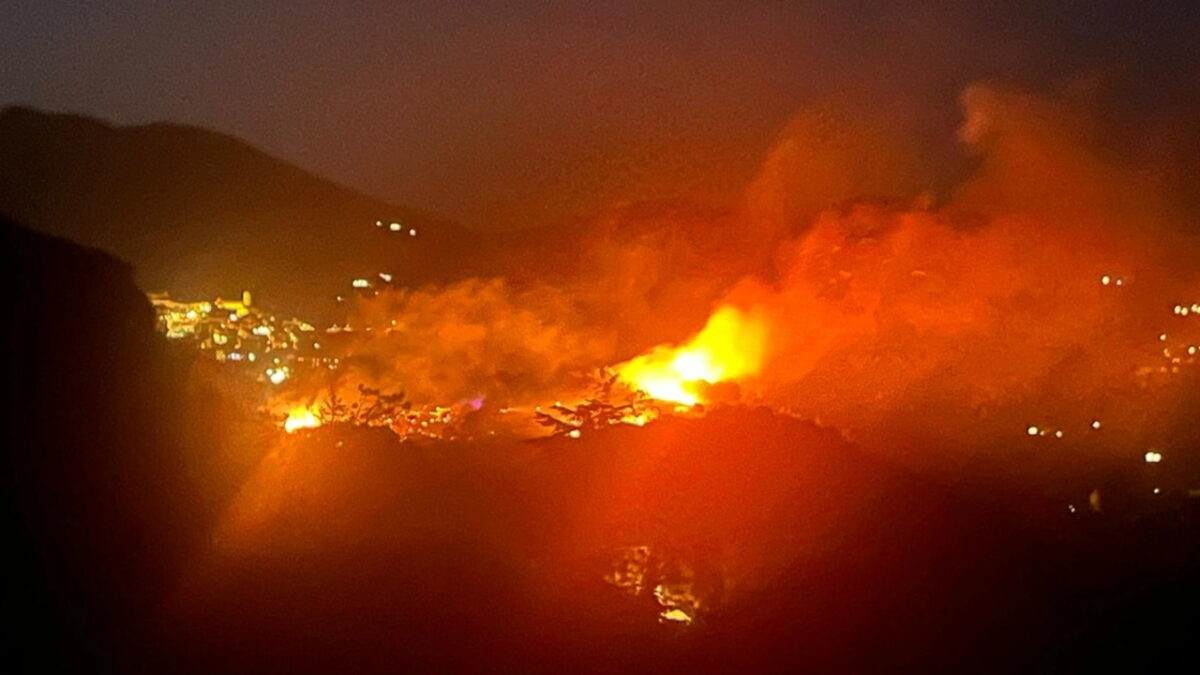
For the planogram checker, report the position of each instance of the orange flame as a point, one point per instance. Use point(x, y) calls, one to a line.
point(301, 417)
point(729, 347)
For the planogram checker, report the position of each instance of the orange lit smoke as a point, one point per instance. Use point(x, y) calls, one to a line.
point(729, 347)
point(967, 312)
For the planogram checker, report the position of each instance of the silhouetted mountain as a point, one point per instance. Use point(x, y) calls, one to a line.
point(202, 214)
point(99, 509)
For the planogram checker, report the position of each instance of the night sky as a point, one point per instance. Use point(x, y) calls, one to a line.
point(507, 114)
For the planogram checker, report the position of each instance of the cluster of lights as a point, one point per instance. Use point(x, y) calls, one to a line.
point(278, 374)
point(1035, 430)
point(396, 227)
point(232, 330)
point(1179, 354)
point(235, 332)
point(1107, 279)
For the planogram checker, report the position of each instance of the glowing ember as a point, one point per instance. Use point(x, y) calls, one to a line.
point(300, 418)
point(730, 346)
point(676, 615)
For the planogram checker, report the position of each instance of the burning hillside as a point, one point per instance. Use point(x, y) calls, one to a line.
point(665, 337)
point(1052, 288)
point(878, 388)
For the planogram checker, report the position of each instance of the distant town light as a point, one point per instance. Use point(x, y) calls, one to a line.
point(395, 227)
point(1153, 457)
point(360, 283)
point(1032, 431)
point(412, 233)
point(385, 276)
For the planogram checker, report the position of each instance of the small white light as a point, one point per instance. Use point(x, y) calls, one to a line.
point(1058, 434)
point(1032, 431)
point(1095, 424)
point(412, 233)
point(395, 227)
point(1153, 457)
point(1105, 279)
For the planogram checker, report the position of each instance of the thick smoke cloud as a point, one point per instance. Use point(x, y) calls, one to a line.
point(1039, 292)
point(897, 308)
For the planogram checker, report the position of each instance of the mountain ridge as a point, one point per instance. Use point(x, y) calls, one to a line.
point(201, 213)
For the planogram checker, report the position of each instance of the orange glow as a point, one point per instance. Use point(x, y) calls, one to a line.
point(300, 418)
point(729, 347)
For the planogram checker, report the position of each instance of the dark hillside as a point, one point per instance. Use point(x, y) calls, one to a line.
point(202, 214)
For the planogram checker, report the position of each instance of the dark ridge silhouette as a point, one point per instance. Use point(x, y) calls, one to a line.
point(99, 510)
point(352, 550)
point(202, 214)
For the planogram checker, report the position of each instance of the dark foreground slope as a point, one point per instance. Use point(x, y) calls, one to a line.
point(349, 550)
point(202, 214)
point(98, 512)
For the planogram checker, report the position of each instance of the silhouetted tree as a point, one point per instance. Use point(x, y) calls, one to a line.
point(611, 402)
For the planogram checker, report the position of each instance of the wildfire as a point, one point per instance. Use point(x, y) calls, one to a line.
point(730, 346)
point(300, 417)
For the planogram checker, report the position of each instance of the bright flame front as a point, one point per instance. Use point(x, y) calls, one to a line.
point(301, 418)
point(729, 347)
